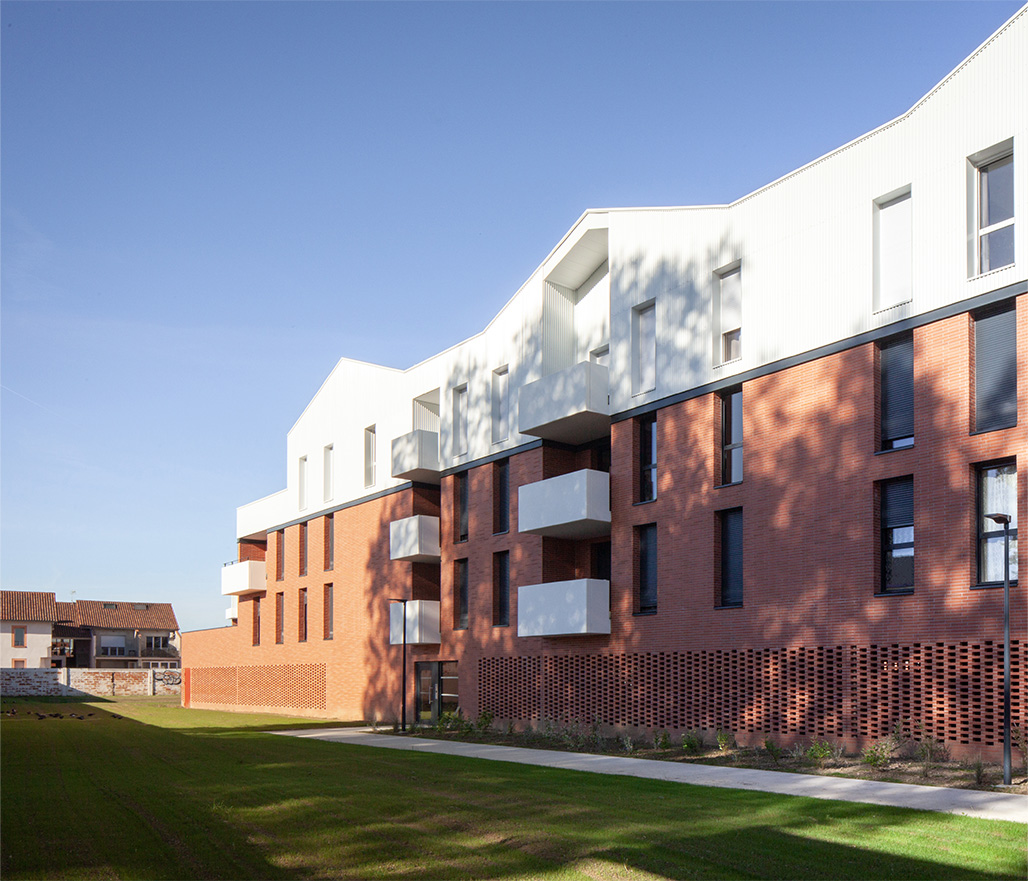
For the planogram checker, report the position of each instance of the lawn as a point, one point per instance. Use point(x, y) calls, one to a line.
point(170, 793)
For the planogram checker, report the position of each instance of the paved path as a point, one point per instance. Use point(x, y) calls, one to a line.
point(988, 805)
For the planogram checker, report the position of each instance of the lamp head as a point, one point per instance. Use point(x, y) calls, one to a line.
point(1001, 519)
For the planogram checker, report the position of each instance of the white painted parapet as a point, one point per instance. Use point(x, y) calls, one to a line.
point(575, 505)
point(414, 539)
point(239, 579)
point(415, 456)
point(422, 622)
point(564, 608)
point(570, 406)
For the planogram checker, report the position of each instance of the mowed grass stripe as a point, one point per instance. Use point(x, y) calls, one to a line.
point(187, 795)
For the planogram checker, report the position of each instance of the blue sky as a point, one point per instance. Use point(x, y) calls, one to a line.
point(205, 205)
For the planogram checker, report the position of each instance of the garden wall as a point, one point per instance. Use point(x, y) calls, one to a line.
point(72, 682)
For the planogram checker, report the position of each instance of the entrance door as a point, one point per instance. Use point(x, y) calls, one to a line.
point(435, 689)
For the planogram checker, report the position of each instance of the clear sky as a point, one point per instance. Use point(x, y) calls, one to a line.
point(205, 205)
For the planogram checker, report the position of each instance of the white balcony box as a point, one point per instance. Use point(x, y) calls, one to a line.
point(240, 579)
point(571, 406)
point(564, 608)
point(575, 505)
point(414, 539)
point(232, 612)
point(422, 622)
point(416, 456)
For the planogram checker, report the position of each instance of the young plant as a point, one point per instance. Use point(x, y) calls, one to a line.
point(773, 749)
point(877, 755)
point(819, 752)
point(724, 740)
point(692, 741)
point(662, 740)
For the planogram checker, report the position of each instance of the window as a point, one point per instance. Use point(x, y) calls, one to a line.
point(501, 589)
point(644, 348)
point(330, 542)
point(18, 664)
point(646, 575)
point(995, 369)
point(892, 250)
point(301, 623)
point(501, 405)
point(501, 496)
point(896, 392)
point(280, 555)
point(460, 505)
point(460, 420)
point(302, 482)
point(327, 471)
point(731, 436)
point(729, 558)
point(460, 594)
point(369, 456)
point(647, 458)
point(280, 609)
point(996, 213)
point(729, 313)
point(897, 534)
point(599, 560)
point(157, 642)
point(329, 611)
point(256, 621)
point(18, 637)
point(302, 556)
point(997, 494)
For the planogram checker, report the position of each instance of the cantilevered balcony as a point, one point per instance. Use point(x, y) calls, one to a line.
point(571, 406)
point(416, 456)
point(422, 622)
point(575, 505)
point(414, 539)
point(564, 608)
point(240, 579)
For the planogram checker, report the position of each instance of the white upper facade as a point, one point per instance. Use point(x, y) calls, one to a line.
point(925, 212)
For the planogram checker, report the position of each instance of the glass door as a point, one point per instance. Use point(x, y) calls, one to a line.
point(435, 689)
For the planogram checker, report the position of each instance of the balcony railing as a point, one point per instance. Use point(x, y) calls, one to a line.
point(564, 608)
point(422, 622)
point(415, 456)
point(571, 406)
point(414, 539)
point(245, 577)
point(575, 505)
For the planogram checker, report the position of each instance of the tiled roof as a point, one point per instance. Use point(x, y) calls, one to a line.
point(27, 605)
point(66, 612)
point(121, 615)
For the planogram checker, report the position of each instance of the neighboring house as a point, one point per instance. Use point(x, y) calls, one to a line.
point(86, 633)
point(710, 467)
point(130, 634)
point(26, 621)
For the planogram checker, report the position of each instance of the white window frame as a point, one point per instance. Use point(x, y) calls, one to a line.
point(501, 404)
point(369, 456)
point(460, 420)
point(644, 343)
point(328, 456)
point(728, 324)
point(893, 259)
point(976, 233)
point(301, 478)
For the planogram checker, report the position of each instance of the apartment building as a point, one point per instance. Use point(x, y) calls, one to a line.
point(709, 467)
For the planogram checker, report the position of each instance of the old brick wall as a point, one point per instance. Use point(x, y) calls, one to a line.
point(70, 682)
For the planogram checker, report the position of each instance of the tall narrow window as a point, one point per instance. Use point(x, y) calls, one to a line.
point(280, 617)
point(460, 505)
point(897, 534)
point(896, 385)
point(501, 589)
point(302, 556)
point(302, 482)
point(501, 404)
point(647, 458)
point(301, 622)
point(18, 637)
point(280, 554)
point(730, 562)
point(646, 575)
point(327, 470)
point(369, 456)
point(644, 348)
point(501, 496)
point(328, 611)
point(996, 213)
point(995, 369)
point(460, 594)
point(330, 542)
point(731, 436)
point(997, 494)
point(730, 307)
point(256, 636)
point(460, 420)
point(892, 251)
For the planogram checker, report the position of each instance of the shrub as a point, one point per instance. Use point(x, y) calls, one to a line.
point(692, 741)
point(662, 740)
point(978, 767)
point(627, 744)
point(931, 751)
point(724, 740)
point(484, 722)
point(877, 755)
point(819, 752)
point(773, 749)
point(1019, 736)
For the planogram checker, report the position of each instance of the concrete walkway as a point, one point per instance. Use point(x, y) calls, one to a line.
point(987, 805)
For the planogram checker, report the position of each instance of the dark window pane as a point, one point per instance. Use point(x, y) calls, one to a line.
point(648, 568)
point(995, 350)
point(731, 558)
point(460, 600)
point(897, 533)
point(896, 362)
point(462, 506)
point(501, 585)
point(647, 458)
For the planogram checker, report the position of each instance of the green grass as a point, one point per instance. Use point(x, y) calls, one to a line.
point(173, 793)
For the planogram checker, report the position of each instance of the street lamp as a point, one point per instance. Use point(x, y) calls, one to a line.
point(403, 705)
point(1004, 519)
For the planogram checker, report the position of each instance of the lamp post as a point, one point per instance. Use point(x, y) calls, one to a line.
point(1004, 519)
point(403, 705)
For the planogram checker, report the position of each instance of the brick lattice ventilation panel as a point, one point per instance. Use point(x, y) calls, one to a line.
point(951, 691)
point(290, 686)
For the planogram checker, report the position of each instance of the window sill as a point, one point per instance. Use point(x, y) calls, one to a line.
point(893, 450)
point(730, 606)
point(899, 592)
point(724, 485)
point(501, 625)
point(991, 430)
point(503, 531)
point(643, 502)
point(644, 614)
point(992, 585)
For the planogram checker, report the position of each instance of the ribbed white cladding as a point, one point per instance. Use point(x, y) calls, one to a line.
point(805, 245)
